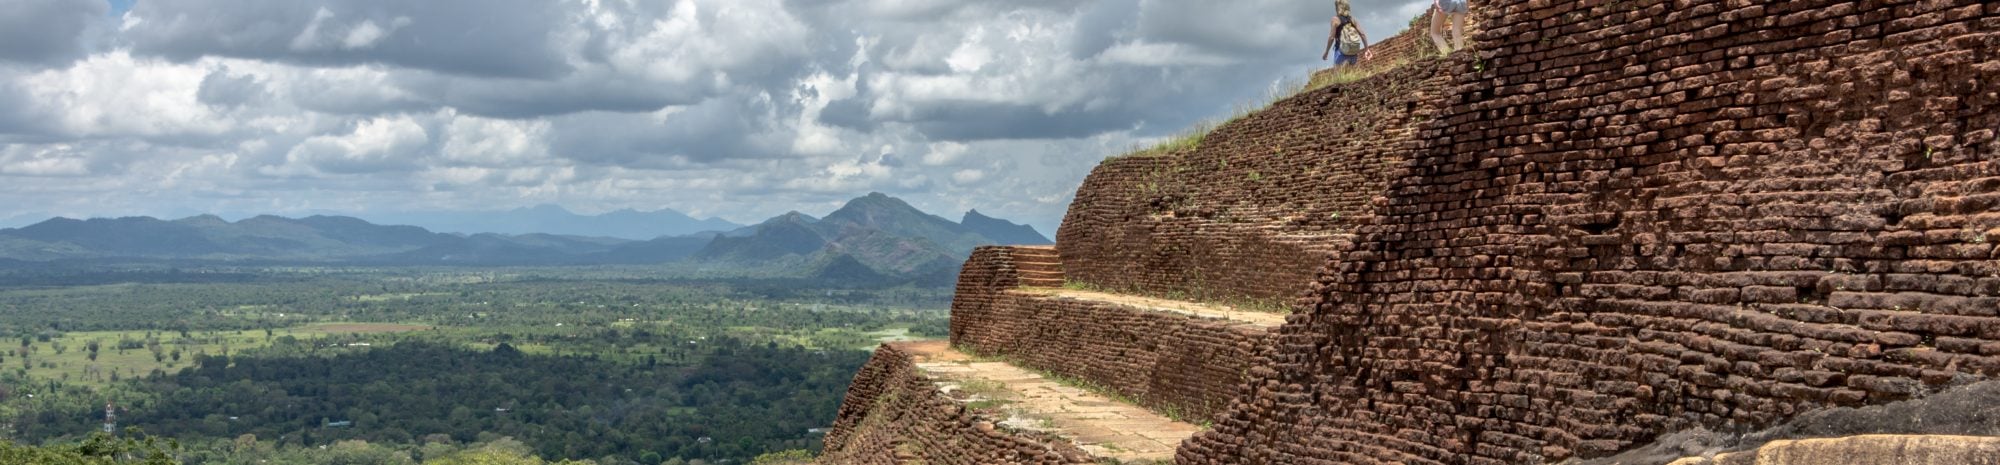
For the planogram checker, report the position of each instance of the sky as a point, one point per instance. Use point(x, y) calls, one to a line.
point(740, 109)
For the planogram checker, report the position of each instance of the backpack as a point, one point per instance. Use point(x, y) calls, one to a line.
point(1350, 36)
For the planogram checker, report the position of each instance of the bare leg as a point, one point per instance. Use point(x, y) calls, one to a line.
point(1437, 31)
point(1458, 30)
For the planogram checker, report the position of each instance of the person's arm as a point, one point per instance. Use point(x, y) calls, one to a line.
point(1366, 51)
point(1329, 41)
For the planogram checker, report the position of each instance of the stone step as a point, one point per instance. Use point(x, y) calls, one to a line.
point(1018, 399)
point(1040, 274)
point(1204, 310)
point(1041, 282)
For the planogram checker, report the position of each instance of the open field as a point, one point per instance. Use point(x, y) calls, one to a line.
point(364, 328)
point(126, 354)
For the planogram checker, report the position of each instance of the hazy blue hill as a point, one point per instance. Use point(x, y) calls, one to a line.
point(880, 212)
point(357, 231)
point(20, 250)
point(660, 250)
point(552, 219)
point(844, 269)
point(496, 249)
point(1003, 231)
point(129, 236)
point(884, 234)
point(889, 251)
point(318, 238)
point(788, 234)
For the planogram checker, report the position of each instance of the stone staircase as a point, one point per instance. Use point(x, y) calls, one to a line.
point(1038, 266)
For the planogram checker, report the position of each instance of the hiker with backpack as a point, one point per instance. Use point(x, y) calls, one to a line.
point(1347, 44)
point(1453, 12)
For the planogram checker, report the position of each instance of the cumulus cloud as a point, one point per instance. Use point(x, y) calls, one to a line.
point(380, 144)
point(117, 95)
point(509, 38)
point(744, 108)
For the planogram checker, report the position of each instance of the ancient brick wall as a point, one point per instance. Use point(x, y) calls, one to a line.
point(1168, 362)
point(1259, 206)
point(1641, 216)
point(989, 271)
point(894, 414)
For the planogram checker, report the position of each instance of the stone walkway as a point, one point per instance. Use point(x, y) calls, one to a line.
point(1102, 426)
point(1264, 319)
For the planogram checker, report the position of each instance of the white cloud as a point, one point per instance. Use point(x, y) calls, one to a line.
point(706, 40)
point(944, 153)
point(367, 34)
point(310, 38)
point(1161, 55)
point(380, 144)
point(114, 94)
point(476, 141)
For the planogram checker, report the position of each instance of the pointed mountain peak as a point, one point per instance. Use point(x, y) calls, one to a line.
point(1003, 231)
point(874, 205)
point(792, 217)
point(59, 220)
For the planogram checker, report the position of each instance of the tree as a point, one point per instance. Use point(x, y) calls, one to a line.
point(98, 450)
point(790, 457)
point(504, 451)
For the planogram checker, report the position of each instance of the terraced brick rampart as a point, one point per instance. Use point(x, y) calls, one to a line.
point(1642, 216)
point(1173, 360)
point(1259, 207)
point(894, 414)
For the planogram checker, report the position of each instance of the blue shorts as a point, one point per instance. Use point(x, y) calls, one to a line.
point(1340, 58)
point(1452, 6)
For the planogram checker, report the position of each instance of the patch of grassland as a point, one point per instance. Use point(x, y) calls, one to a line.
point(133, 353)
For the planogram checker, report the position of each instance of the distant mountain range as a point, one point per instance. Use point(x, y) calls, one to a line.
point(551, 219)
point(873, 239)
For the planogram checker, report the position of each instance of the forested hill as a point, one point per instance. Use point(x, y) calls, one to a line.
point(884, 233)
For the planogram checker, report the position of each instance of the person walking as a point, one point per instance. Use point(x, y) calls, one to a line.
point(1448, 14)
point(1346, 43)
